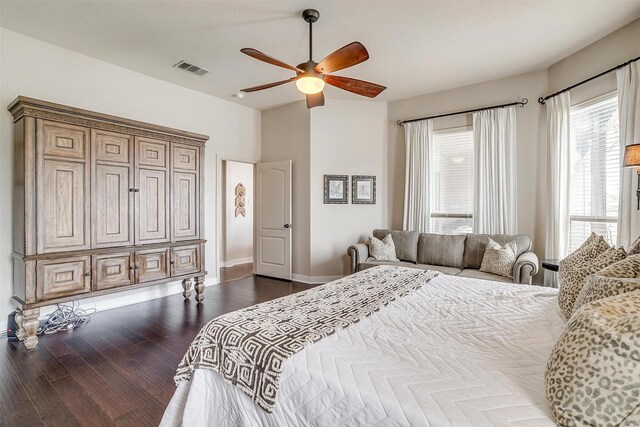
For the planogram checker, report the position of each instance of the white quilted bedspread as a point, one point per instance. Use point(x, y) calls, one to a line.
point(456, 352)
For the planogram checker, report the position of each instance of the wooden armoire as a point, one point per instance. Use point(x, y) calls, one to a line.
point(101, 204)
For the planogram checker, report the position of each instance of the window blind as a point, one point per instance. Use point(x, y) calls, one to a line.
point(452, 179)
point(595, 171)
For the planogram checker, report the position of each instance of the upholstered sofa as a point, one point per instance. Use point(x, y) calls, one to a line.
point(457, 255)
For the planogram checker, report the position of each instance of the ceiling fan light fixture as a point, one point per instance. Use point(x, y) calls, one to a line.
point(310, 85)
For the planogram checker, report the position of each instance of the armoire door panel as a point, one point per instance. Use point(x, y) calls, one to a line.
point(152, 264)
point(185, 260)
point(64, 277)
point(152, 152)
point(63, 205)
point(185, 205)
point(152, 207)
point(185, 157)
point(63, 140)
point(111, 146)
point(113, 215)
point(112, 270)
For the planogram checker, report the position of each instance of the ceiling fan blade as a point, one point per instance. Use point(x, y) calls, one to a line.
point(359, 87)
point(345, 57)
point(268, 85)
point(315, 100)
point(266, 58)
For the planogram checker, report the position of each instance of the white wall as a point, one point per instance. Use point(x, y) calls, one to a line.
point(36, 69)
point(347, 138)
point(238, 230)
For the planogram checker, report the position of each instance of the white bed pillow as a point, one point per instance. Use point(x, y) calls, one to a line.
point(382, 250)
point(499, 259)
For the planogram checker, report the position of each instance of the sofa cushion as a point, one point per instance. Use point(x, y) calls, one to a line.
point(441, 249)
point(451, 271)
point(477, 274)
point(475, 245)
point(406, 243)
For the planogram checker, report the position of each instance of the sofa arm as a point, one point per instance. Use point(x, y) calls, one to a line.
point(525, 267)
point(358, 253)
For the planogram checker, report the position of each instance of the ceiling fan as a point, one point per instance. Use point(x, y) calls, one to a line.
point(311, 76)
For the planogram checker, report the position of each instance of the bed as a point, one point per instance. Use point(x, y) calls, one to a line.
point(454, 352)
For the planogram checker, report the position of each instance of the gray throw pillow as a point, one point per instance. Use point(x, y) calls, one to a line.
point(382, 250)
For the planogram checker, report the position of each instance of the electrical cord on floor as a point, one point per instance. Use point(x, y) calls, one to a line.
point(65, 318)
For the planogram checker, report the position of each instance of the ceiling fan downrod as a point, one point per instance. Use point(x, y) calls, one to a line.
point(310, 16)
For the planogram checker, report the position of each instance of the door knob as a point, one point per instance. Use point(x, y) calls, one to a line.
point(287, 226)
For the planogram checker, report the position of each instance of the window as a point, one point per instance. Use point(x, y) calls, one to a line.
point(595, 170)
point(452, 179)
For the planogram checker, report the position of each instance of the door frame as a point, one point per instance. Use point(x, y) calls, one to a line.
point(219, 202)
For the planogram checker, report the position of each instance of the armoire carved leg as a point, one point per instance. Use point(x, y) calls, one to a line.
point(186, 285)
point(199, 288)
point(28, 324)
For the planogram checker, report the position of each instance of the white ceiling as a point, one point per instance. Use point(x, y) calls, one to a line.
point(415, 47)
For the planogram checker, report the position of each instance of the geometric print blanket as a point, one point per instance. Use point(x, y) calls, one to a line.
point(248, 347)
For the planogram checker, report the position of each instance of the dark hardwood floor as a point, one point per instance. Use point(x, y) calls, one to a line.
point(117, 369)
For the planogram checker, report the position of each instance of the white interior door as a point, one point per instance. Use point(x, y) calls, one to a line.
point(273, 219)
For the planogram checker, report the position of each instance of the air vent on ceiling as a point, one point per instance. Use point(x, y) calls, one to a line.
point(191, 68)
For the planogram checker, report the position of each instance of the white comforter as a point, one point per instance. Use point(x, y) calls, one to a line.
point(456, 352)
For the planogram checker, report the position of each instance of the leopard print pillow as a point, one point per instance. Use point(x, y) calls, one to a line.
point(382, 250)
point(593, 374)
point(591, 248)
point(573, 279)
point(619, 278)
point(499, 259)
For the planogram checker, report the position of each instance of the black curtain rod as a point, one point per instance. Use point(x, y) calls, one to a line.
point(543, 99)
point(520, 103)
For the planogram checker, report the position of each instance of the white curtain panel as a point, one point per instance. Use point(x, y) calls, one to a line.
point(558, 169)
point(418, 138)
point(628, 78)
point(494, 201)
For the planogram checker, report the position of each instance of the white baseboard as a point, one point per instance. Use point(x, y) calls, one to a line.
point(124, 298)
point(236, 261)
point(314, 280)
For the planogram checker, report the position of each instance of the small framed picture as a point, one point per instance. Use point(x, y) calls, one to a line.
point(363, 189)
point(336, 188)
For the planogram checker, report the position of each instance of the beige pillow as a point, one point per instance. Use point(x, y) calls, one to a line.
point(593, 374)
point(499, 259)
point(382, 250)
point(619, 278)
point(574, 277)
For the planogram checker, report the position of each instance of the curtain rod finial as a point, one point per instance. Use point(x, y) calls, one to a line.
point(399, 122)
point(525, 101)
point(541, 100)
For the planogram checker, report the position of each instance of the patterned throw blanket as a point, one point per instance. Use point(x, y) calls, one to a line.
point(248, 347)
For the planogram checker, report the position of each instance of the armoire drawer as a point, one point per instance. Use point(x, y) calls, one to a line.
point(112, 271)
point(63, 277)
point(185, 260)
point(152, 264)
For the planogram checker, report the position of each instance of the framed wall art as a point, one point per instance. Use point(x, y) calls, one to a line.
point(363, 188)
point(336, 189)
